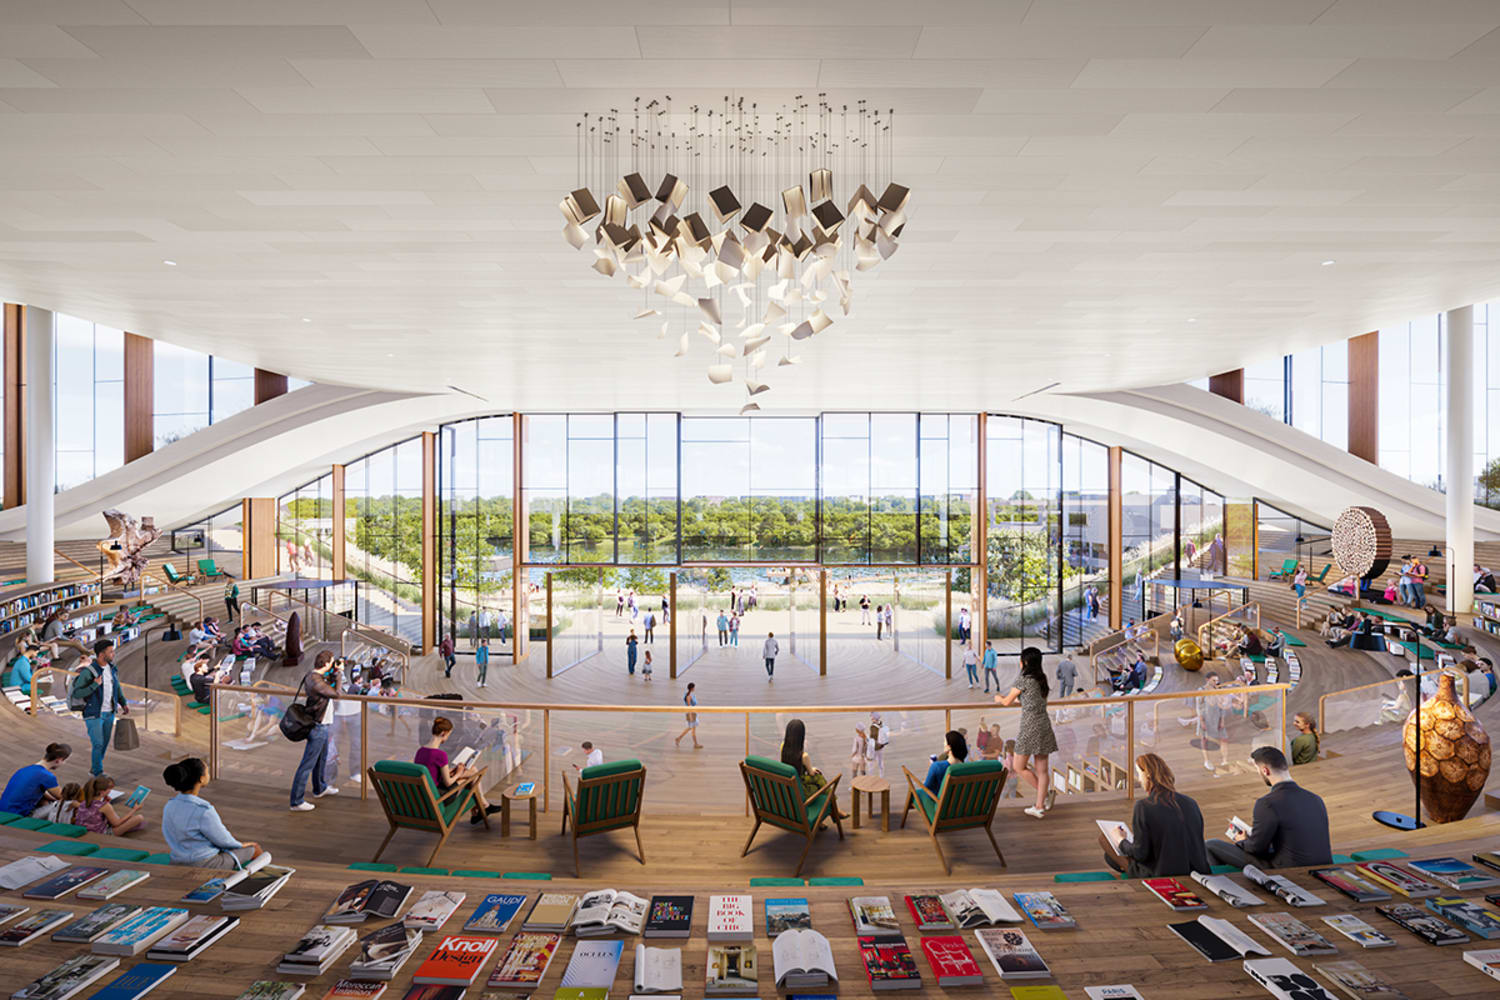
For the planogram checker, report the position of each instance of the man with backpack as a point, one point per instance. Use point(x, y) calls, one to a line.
point(96, 695)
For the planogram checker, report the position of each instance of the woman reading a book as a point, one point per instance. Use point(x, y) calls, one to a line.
point(1166, 834)
point(97, 815)
point(191, 826)
point(445, 775)
point(794, 755)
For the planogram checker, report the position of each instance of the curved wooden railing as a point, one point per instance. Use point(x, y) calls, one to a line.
point(1462, 679)
point(391, 644)
point(171, 700)
point(1148, 643)
point(1238, 616)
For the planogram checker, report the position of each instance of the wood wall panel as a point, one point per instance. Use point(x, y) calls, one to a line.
point(1364, 397)
point(140, 401)
point(336, 492)
point(15, 404)
point(268, 385)
point(259, 533)
point(1230, 385)
point(519, 539)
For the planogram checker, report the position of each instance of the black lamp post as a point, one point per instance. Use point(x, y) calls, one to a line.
point(1398, 820)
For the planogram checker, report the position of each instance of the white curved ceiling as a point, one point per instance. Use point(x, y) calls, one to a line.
point(1106, 193)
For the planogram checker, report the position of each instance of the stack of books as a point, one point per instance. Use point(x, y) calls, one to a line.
point(382, 952)
point(253, 891)
point(215, 887)
point(378, 898)
point(316, 952)
point(887, 958)
point(140, 932)
point(92, 925)
point(191, 939)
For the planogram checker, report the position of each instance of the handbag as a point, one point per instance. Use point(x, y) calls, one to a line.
point(126, 735)
point(297, 721)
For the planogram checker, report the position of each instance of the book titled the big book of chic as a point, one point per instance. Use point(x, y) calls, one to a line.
point(730, 918)
point(456, 960)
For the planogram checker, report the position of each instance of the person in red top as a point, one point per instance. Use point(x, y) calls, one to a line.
point(445, 649)
point(432, 756)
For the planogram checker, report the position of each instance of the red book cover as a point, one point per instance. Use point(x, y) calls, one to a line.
point(929, 913)
point(1176, 895)
point(951, 961)
point(888, 964)
point(456, 961)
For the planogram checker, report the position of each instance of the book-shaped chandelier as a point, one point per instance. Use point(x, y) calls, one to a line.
point(741, 228)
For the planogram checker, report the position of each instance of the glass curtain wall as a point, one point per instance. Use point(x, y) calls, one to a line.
point(1148, 533)
point(476, 547)
point(1085, 540)
point(304, 530)
point(192, 390)
point(88, 400)
point(219, 537)
point(383, 536)
point(749, 489)
point(1024, 533)
point(1281, 536)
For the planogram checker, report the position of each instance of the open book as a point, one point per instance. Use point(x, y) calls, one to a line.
point(658, 970)
point(1283, 888)
point(1217, 940)
point(1236, 829)
point(979, 908)
point(802, 959)
point(463, 757)
point(1228, 890)
point(1114, 831)
point(608, 911)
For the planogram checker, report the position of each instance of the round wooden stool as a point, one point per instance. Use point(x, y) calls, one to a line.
point(513, 795)
point(872, 786)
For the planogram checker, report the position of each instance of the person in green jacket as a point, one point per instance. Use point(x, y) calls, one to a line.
point(1305, 743)
point(232, 598)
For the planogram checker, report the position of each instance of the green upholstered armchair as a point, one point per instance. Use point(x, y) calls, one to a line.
point(966, 799)
point(776, 797)
point(412, 801)
point(209, 569)
point(608, 797)
point(174, 578)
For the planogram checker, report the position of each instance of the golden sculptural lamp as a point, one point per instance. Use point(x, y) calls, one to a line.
point(1189, 655)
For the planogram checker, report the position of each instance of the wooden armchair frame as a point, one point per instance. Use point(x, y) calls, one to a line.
point(606, 802)
point(785, 792)
point(387, 784)
point(959, 805)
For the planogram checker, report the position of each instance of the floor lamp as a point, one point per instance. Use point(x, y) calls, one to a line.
point(1398, 820)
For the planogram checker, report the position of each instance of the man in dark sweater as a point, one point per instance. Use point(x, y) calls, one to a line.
point(1290, 828)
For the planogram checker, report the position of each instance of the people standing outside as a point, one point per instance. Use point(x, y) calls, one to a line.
point(690, 699)
point(890, 622)
point(1035, 742)
point(232, 598)
point(630, 647)
point(991, 667)
point(734, 629)
point(649, 624)
point(97, 685)
point(619, 603)
point(864, 609)
point(646, 666)
point(963, 624)
point(321, 686)
point(881, 738)
point(445, 650)
point(1067, 676)
point(630, 603)
point(474, 628)
point(482, 661)
point(971, 666)
point(723, 625)
point(879, 620)
point(769, 651)
point(502, 625)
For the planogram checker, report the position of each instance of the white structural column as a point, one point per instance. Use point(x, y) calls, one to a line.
point(1460, 376)
point(40, 455)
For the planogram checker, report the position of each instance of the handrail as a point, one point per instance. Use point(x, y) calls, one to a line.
point(1322, 698)
point(67, 673)
point(91, 572)
point(167, 586)
point(363, 633)
point(1205, 631)
point(1150, 639)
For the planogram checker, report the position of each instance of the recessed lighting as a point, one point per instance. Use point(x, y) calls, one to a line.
point(1329, 263)
point(390, 355)
point(170, 263)
point(1192, 319)
point(306, 320)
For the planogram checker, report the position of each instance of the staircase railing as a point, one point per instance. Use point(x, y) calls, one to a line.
point(1462, 679)
point(165, 585)
point(1146, 641)
point(146, 696)
point(1245, 614)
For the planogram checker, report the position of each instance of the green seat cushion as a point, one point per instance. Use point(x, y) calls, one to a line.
point(1084, 877)
point(77, 848)
point(122, 853)
point(529, 876)
point(1292, 640)
point(974, 767)
point(419, 870)
point(1223, 869)
point(63, 829)
point(28, 823)
point(1379, 854)
point(771, 880)
point(609, 768)
point(461, 802)
point(816, 803)
point(402, 767)
point(771, 766)
point(926, 803)
point(373, 866)
point(836, 880)
point(1342, 859)
point(473, 873)
point(157, 859)
point(6, 818)
point(202, 709)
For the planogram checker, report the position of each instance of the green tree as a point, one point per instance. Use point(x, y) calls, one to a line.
point(1489, 482)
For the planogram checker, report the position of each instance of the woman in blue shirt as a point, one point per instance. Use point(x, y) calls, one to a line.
point(19, 674)
point(956, 753)
point(194, 833)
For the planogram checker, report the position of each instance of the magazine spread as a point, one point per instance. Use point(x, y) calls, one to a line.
point(658, 970)
point(802, 959)
point(608, 911)
point(980, 907)
point(1228, 890)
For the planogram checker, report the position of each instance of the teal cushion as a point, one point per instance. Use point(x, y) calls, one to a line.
point(1342, 859)
point(405, 768)
point(611, 767)
point(770, 766)
point(816, 804)
point(419, 870)
point(157, 859)
point(529, 876)
point(975, 767)
point(7, 818)
point(373, 866)
point(463, 800)
point(836, 880)
point(1379, 854)
point(927, 803)
point(28, 823)
point(1083, 877)
point(769, 880)
point(473, 873)
point(77, 848)
point(1223, 869)
point(122, 853)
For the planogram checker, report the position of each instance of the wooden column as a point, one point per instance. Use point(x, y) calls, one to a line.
point(671, 626)
point(268, 385)
point(337, 502)
point(979, 526)
point(822, 623)
point(15, 404)
point(1230, 385)
point(1116, 539)
point(1364, 397)
point(258, 533)
point(140, 396)
point(429, 542)
point(519, 540)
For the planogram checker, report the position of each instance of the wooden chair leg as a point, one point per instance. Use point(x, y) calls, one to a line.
point(638, 848)
point(803, 860)
point(385, 843)
point(906, 810)
point(753, 830)
point(839, 825)
point(947, 868)
point(441, 841)
point(577, 873)
point(991, 834)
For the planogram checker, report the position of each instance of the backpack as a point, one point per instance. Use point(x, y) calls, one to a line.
point(83, 686)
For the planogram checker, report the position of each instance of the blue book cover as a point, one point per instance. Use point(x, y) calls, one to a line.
point(136, 981)
point(495, 913)
point(207, 892)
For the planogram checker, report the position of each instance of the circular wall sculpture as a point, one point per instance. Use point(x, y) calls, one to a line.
point(1362, 542)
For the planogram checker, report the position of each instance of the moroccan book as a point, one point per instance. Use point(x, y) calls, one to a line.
point(1476, 918)
point(456, 961)
point(525, 962)
point(1045, 911)
point(1358, 981)
point(1350, 885)
point(113, 884)
point(608, 911)
point(142, 978)
point(550, 912)
point(1293, 935)
point(980, 908)
point(96, 922)
point(731, 917)
point(68, 979)
point(928, 913)
point(802, 960)
point(951, 961)
point(731, 969)
point(65, 882)
point(657, 970)
point(494, 913)
point(1358, 931)
point(593, 964)
point(1424, 925)
point(354, 989)
point(889, 964)
point(1228, 890)
point(671, 917)
point(1011, 953)
point(1176, 895)
point(140, 931)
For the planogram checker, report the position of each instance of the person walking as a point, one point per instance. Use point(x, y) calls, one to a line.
point(963, 624)
point(1299, 582)
point(769, 651)
point(691, 701)
point(646, 666)
point(484, 622)
point(879, 620)
point(890, 621)
point(619, 603)
point(734, 630)
point(991, 667)
point(445, 650)
point(1067, 676)
point(723, 625)
point(1418, 582)
point(971, 666)
point(1035, 742)
point(630, 647)
point(630, 603)
point(502, 625)
point(321, 685)
point(232, 598)
point(649, 623)
point(864, 609)
point(97, 685)
point(482, 660)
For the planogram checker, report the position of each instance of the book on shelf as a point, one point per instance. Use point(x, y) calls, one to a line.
point(889, 964)
point(1284, 980)
point(608, 911)
point(1490, 859)
point(1476, 918)
point(1424, 925)
point(95, 923)
point(550, 912)
point(316, 950)
point(1486, 960)
point(9, 912)
point(1045, 911)
point(456, 961)
point(1357, 930)
point(1460, 876)
point(1282, 888)
point(113, 884)
point(378, 898)
point(355, 989)
point(928, 913)
point(672, 917)
point(140, 931)
point(384, 950)
point(256, 889)
point(657, 970)
point(1396, 879)
point(433, 908)
point(1350, 885)
point(1217, 939)
point(802, 959)
point(1118, 991)
point(1176, 895)
point(1011, 953)
point(1358, 981)
point(28, 929)
point(730, 969)
point(65, 881)
point(140, 979)
point(980, 908)
point(1115, 832)
point(731, 917)
point(68, 979)
point(215, 887)
point(192, 938)
point(525, 962)
point(270, 989)
point(494, 913)
point(951, 961)
point(1228, 890)
point(1293, 935)
point(593, 964)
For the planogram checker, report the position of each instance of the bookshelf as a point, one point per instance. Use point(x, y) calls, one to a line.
point(1487, 613)
point(24, 606)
